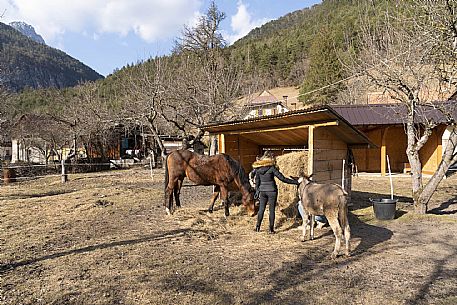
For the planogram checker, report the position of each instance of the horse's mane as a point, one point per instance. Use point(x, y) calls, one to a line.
point(237, 169)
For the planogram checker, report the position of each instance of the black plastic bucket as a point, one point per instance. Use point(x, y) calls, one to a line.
point(384, 209)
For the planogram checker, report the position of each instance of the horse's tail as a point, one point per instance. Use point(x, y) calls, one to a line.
point(166, 171)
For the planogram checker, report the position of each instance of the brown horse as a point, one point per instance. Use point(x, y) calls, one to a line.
point(219, 170)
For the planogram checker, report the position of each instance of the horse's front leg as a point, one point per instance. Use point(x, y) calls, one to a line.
point(213, 199)
point(224, 198)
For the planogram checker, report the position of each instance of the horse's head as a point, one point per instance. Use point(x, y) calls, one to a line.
point(249, 203)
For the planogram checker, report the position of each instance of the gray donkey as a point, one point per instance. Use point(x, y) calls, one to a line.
point(329, 200)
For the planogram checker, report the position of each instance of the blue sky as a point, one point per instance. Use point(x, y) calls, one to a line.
point(109, 34)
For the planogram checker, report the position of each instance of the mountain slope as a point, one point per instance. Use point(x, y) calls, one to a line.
point(280, 49)
point(26, 63)
point(307, 47)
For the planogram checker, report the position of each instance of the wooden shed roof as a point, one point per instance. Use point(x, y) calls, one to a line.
point(286, 128)
point(395, 113)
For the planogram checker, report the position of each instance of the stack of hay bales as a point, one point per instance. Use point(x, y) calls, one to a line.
point(291, 164)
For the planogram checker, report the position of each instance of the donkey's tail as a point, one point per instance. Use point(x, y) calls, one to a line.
point(344, 223)
point(343, 212)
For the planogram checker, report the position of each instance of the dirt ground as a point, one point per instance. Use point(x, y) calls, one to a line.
point(104, 238)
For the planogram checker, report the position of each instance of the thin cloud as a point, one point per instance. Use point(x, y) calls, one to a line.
point(151, 20)
point(242, 23)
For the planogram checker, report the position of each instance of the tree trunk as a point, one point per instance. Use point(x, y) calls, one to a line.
point(199, 135)
point(416, 166)
point(213, 146)
point(416, 180)
point(448, 159)
point(159, 142)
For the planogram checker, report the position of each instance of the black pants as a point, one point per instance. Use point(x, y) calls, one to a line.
point(265, 197)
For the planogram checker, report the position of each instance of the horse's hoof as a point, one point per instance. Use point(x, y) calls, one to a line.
point(210, 210)
point(334, 255)
point(347, 254)
point(168, 211)
point(302, 239)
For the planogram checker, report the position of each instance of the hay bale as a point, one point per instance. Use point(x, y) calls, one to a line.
point(290, 164)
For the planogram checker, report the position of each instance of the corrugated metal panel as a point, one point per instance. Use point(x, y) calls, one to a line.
point(301, 116)
point(393, 114)
point(292, 119)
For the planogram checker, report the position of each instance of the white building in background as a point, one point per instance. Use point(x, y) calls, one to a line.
point(266, 104)
point(20, 152)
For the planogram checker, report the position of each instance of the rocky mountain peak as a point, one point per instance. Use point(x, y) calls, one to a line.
point(27, 30)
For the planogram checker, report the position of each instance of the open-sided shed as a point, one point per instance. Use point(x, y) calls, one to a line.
point(322, 131)
point(384, 124)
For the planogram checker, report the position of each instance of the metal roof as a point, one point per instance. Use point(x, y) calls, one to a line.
point(392, 114)
point(287, 128)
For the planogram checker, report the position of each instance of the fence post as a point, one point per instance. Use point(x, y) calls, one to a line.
point(9, 175)
point(342, 175)
point(64, 177)
point(150, 165)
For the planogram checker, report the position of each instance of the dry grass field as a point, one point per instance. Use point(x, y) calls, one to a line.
point(104, 238)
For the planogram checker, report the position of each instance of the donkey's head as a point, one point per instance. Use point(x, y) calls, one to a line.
point(304, 180)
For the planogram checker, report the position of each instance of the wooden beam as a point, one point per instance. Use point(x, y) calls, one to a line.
point(221, 143)
point(383, 151)
point(310, 150)
point(293, 127)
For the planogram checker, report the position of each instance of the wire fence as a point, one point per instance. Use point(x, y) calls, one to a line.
point(23, 172)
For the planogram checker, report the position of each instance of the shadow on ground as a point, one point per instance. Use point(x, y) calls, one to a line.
point(445, 208)
point(155, 237)
point(294, 274)
point(361, 200)
point(36, 195)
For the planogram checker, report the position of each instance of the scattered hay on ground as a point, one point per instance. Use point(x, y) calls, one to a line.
point(59, 247)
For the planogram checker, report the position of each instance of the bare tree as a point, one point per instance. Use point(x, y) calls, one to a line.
point(5, 107)
point(6, 114)
point(194, 86)
point(411, 55)
point(144, 91)
point(206, 82)
point(89, 118)
point(205, 36)
point(42, 134)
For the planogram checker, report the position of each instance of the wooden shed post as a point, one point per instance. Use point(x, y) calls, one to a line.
point(310, 149)
point(383, 152)
point(221, 143)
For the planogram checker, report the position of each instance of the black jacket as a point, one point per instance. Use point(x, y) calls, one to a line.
point(265, 179)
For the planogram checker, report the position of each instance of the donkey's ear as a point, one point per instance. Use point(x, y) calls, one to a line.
point(300, 180)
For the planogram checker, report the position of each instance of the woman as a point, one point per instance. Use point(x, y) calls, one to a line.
point(265, 173)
